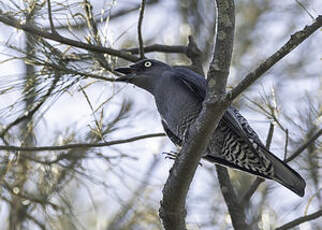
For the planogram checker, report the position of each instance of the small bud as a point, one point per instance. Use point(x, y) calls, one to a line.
point(26, 202)
point(16, 190)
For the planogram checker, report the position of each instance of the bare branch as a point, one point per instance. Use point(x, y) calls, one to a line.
point(304, 146)
point(51, 22)
point(296, 39)
point(172, 210)
point(122, 215)
point(33, 219)
point(191, 51)
point(300, 220)
point(236, 210)
point(78, 145)
point(304, 8)
point(196, 56)
point(28, 114)
point(140, 29)
point(107, 16)
point(159, 48)
point(286, 144)
point(28, 197)
point(11, 21)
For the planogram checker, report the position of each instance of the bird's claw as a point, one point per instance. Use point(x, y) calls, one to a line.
point(170, 155)
point(173, 156)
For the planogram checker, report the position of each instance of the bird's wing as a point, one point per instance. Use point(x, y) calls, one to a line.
point(193, 81)
point(175, 140)
point(240, 127)
point(197, 85)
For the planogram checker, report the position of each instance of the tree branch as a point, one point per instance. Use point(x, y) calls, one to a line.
point(52, 26)
point(102, 18)
point(296, 39)
point(159, 48)
point(78, 145)
point(11, 21)
point(217, 80)
point(191, 51)
point(304, 146)
point(140, 38)
point(29, 114)
point(33, 219)
point(172, 210)
point(235, 209)
point(300, 220)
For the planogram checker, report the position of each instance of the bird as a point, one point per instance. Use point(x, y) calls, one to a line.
point(179, 92)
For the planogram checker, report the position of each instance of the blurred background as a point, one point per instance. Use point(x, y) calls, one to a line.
point(55, 94)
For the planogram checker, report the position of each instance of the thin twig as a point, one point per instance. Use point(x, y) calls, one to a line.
point(97, 123)
point(63, 69)
point(103, 18)
point(300, 220)
point(32, 29)
point(92, 26)
point(28, 197)
point(159, 48)
point(78, 145)
point(51, 22)
point(304, 146)
point(270, 136)
point(33, 219)
point(118, 219)
point(304, 8)
point(296, 39)
point(140, 38)
point(286, 144)
point(28, 114)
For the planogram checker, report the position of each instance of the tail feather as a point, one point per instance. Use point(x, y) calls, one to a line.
point(286, 176)
point(283, 174)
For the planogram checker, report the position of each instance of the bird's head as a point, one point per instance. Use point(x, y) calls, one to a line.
point(145, 73)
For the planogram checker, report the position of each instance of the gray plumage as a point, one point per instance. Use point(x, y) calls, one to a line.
point(178, 93)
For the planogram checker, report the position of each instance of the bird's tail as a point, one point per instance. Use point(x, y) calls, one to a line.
point(286, 176)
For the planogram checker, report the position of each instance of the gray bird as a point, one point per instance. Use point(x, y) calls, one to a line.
point(179, 93)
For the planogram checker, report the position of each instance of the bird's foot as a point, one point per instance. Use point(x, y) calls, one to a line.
point(171, 155)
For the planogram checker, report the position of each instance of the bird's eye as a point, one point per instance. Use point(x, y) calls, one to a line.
point(147, 64)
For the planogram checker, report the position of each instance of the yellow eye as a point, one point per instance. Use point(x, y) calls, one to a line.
point(147, 64)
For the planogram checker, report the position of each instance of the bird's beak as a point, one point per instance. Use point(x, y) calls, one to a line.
point(129, 74)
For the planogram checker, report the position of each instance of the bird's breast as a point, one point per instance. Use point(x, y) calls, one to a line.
point(179, 111)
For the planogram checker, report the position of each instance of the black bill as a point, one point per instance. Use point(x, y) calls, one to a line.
point(129, 74)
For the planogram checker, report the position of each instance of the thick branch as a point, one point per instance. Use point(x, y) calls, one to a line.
point(11, 21)
point(78, 145)
point(300, 220)
point(219, 67)
point(296, 39)
point(172, 210)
